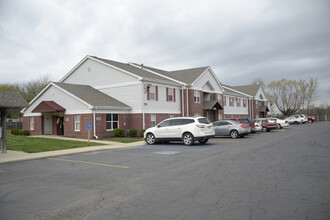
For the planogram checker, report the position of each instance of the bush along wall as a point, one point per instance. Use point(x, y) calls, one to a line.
point(15, 131)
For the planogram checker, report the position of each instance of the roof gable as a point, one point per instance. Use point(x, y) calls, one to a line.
point(91, 96)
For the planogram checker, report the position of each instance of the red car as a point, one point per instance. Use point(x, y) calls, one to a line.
point(265, 124)
point(311, 119)
point(246, 120)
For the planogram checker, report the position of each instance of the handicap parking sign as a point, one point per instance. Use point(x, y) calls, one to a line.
point(89, 126)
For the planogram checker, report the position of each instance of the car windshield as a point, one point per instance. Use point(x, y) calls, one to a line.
point(203, 121)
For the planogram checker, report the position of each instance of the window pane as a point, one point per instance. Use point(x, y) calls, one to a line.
point(109, 117)
point(115, 117)
point(115, 125)
point(108, 125)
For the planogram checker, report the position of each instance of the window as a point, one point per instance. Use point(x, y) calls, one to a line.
point(32, 123)
point(219, 98)
point(231, 101)
point(225, 100)
point(112, 121)
point(153, 120)
point(164, 124)
point(77, 122)
point(152, 93)
point(244, 103)
point(197, 98)
point(238, 102)
point(170, 96)
point(219, 116)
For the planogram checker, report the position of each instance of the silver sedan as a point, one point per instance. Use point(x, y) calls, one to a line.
point(231, 128)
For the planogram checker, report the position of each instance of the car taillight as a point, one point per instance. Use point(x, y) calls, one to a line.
point(242, 126)
point(201, 126)
point(257, 125)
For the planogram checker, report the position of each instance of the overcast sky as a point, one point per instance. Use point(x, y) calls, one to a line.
point(240, 40)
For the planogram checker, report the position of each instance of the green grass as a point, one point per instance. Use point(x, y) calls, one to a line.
point(125, 140)
point(35, 145)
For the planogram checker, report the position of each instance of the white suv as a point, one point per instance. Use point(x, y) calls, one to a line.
point(186, 129)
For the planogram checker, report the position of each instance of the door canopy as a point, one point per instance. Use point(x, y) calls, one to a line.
point(48, 106)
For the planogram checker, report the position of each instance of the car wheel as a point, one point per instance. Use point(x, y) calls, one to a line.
point(264, 129)
point(150, 139)
point(188, 139)
point(279, 126)
point(204, 141)
point(233, 134)
point(296, 123)
point(310, 120)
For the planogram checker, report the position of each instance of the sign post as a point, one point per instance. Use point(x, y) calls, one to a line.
point(89, 128)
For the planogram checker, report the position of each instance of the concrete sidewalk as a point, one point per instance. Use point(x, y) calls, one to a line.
point(16, 156)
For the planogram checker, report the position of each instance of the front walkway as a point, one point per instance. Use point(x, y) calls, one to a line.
point(15, 156)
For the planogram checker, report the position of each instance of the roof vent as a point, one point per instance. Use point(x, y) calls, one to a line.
point(142, 66)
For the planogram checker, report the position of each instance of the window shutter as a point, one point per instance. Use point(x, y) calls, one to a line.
point(148, 93)
point(156, 93)
point(166, 94)
point(174, 94)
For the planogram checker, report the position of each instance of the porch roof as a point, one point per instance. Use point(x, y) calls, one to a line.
point(48, 106)
point(209, 105)
point(263, 108)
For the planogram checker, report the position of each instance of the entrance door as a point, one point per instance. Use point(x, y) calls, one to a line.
point(48, 123)
point(59, 125)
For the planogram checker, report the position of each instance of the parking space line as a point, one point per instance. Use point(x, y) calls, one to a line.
point(99, 164)
point(1, 171)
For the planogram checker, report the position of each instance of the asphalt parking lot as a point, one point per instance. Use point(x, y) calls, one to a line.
point(281, 174)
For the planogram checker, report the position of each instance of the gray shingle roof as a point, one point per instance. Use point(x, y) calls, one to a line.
point(93, 96)
point(135, 70)
point(187, 76)
point(231, 92)
point(248, 89)
point(11, 100)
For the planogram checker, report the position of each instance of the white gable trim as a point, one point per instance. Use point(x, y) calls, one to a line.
point(99, 61)
point(63, 90)
point(214, 76)
point(261, 92)
point(70, 94)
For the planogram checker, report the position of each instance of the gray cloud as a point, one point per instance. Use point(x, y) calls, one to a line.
point(240, 40)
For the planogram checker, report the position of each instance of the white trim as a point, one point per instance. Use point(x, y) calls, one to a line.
point(117, 85)
point(99, 61)
point(68, 93)
point(158, 74)
point(214, 76)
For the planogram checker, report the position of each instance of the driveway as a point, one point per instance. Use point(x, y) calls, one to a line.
point(280, 174)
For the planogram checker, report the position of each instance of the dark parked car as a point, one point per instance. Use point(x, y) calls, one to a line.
point(231, 128)
point(265, 124)
point(245, 120)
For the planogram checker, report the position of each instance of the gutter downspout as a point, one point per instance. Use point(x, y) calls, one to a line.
point(142, 106)
point(94, 127)
point(182, 100)
point(187, 102)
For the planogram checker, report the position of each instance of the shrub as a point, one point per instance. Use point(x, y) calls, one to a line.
point(132, 132)
point(119, 132)
point(142, 133)
point(26, 133)
point(15, 131)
